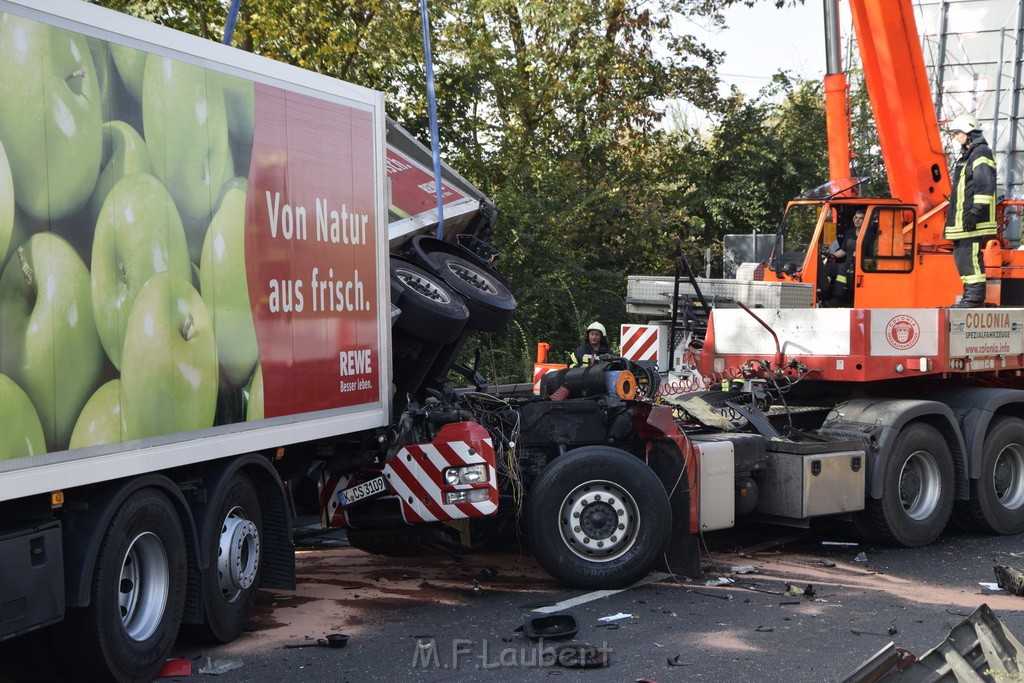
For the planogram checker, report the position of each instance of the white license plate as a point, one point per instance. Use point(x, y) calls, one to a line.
point(368, 489)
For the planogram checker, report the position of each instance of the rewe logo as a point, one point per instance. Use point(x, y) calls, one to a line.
point(902, 332)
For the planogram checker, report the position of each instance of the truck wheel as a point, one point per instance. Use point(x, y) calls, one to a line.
point(997, 496)
point(490, 303)
point(430, 311)
point(231, 580)
point(917, 489)
point(137, 595)
point(598, 517)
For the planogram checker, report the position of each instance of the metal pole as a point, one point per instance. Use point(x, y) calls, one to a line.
point(940, 64)
point(432, 112)
point(1011, 143)
point(229, 25)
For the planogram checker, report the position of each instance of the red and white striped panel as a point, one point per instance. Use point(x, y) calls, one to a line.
point(331, 512)
point(416, 474)
point(541, 369)
point(640, 342)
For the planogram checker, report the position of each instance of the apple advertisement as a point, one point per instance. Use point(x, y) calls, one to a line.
point(182, 248)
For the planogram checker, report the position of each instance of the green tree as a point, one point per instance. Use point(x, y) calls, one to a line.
point(762, 153)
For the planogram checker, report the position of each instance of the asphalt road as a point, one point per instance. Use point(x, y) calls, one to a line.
point(455, 618)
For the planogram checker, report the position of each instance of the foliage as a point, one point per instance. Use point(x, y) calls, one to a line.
point(555, 109)
point(761, 154)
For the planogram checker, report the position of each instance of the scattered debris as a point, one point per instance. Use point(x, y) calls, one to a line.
point(173, 668)
point(745, 569)
point(477, 588)
point(551, 626)
point(764, 629)
point(720, 596)
point(674, 661)
point(583, 656)
point(489, 572)
point(789, 602)
point(828, 563)
point(1010, 580)
point(859, 632)
point(990, 586)
point(215, 667)
point(807, 592)
point(616, 617)
point(978, 645)
point(335, 640)
point(862, 557)
point(720, 581)
point(844, 544)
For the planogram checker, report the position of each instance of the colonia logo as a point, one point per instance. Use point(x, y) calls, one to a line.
point(902, 332)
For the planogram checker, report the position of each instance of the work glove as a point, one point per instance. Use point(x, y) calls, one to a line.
point(970, 221)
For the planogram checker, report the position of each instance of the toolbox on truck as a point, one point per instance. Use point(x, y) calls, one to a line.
point(811, 479)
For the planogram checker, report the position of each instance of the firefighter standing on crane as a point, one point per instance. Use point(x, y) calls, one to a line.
point(971, 216)
point(596, 344)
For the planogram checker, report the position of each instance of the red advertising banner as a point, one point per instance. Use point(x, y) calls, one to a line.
point(311, 255)
point(412, 189)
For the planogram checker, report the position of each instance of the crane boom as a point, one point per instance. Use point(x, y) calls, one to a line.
point(897, 84)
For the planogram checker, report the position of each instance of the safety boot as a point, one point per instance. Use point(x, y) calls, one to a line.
point(974, 296)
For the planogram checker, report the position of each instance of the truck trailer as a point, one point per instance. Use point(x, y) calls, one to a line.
point(203, 290)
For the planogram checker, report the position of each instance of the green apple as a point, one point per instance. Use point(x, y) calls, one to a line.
point(169, 361)
point(131, 66)
point(239, 95)
point(6, 206)
point(48, 340)
point(254, 396)
point(225, 290)
point(22, 434)
point(124, 153)
point(138, 234)
point(104, 72)
point(50, 116)
point(100, 421)
point(186, 130)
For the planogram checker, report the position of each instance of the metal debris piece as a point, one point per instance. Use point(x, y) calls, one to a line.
point(828, 563)
point(978, 645)
point(674, 661)
point(845, 544)
point(862, 557)
point(744, 569)
point(1010, 580)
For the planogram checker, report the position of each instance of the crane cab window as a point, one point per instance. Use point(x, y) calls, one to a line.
point(887, 243)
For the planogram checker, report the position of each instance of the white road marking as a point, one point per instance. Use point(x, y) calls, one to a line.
point(598, 595)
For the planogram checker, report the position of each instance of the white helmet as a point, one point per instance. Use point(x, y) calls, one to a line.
point(965, 123)
point(599, 327)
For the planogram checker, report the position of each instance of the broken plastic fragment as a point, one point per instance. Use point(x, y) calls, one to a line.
point(720, 581)
point(615, 617)
point(215, 667)
point(862, 557)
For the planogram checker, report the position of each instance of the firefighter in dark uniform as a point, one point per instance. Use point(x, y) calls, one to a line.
point(971, 216)
point(595, 344)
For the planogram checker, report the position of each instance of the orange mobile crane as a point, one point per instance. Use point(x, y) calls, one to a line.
point(934, 395)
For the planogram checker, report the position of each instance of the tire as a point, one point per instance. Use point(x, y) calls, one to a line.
point(917, 489)
point(136, 599)
point(595, 485)
point(232, 579)
point(997, 497)
point(490, 302)
point(430, 311)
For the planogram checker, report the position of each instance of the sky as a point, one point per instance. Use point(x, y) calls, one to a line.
point(761, 40)
point(758, 42)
